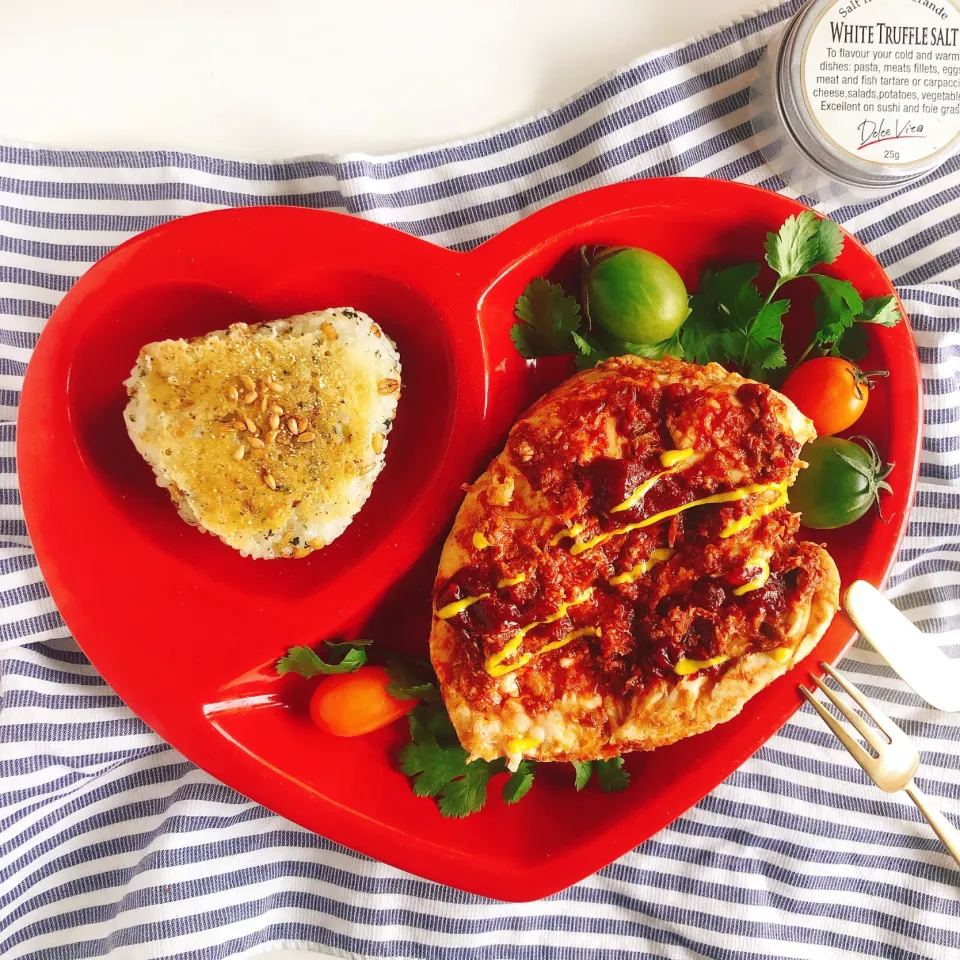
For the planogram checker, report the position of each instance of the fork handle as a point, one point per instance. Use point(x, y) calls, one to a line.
point(944, 829)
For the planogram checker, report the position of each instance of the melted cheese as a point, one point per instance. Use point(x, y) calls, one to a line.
point(686, 667)
point(480, 541)
point(758, 581)
point(781, 654)
point(659, 555)
point(571, 532)
point(458, 606)
point(495, 665)
point(522, 744)
point(737, 526)
point(671, 459)
point(728, 497)
point(511, 581)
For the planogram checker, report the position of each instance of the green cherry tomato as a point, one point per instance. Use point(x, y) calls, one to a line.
point(633, 294)
point(841, 482)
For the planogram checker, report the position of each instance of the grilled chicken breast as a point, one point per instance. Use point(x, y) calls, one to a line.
point(626, 572)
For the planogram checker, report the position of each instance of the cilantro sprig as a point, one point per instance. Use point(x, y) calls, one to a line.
point(732, 322)
point(346, 658)
point(438, 767)
point(611, 775)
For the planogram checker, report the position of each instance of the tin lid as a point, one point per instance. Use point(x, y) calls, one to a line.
point(870, 89)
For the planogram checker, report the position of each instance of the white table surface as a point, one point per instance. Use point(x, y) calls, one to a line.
point(263, 80)
point(272, 79)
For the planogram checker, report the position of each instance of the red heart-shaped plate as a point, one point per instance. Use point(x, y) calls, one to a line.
point(187, 631)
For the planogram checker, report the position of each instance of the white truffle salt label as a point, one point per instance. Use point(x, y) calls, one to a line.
point(881, 78)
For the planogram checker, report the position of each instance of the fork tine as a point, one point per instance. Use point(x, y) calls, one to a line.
point(889, 728)
point(853, 747)
point(871, 735)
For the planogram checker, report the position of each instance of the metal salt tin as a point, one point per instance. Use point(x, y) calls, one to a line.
point(796, 145)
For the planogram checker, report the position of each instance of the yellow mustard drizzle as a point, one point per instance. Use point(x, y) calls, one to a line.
point(522, 744)
point(569, 638)
point(736, 526)
point(571, 532)
point(758, 581)
point(511, 581)
point(659, 555)
point(458, 606)
point(781, 654)
point(495, 665)
point(671, 459)
point(729, 497)
point(480, 541)
point(686, 667)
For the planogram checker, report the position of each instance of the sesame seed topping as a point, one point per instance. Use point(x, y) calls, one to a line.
point(277, 409)
point(250, 397)
point(239, 425)
point(377, 443)
point(388, 386)
point(233, 394)
point(367, 467)
point(271, 436)
point(269, 481)
point(274, 421)
point(293, 426)
point(239, 452)
point(247, 381)
point(329, 330)
point(250, 425)
point(276, 387)
point(256, 443)
point(264, 400)
point(306, 437)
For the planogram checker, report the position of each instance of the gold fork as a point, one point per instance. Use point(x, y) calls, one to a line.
point(896, 759)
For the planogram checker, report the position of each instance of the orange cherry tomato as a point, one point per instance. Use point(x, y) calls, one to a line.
point(351, 704)
point(831, 391)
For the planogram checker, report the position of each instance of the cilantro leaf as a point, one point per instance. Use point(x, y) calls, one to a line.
point(763, 349)
point(518, 783)
point(590, 351)
point(700, 336)
point(853, 343)
point(795, 247)
point(468, 794)
point(411, 680)
point(656, 351)
point(881, 310)
point(304, 660)
point(734, 292)
point(829, 241)
point(835, 308)
point(548, 317)
point(584, 770)
point(611, 776)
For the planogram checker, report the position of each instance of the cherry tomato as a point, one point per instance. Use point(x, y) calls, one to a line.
point(831, 391)
point(842, 481)
point(351, 704)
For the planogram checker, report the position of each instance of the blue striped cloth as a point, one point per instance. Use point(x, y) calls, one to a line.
point(114, 845)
